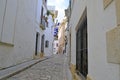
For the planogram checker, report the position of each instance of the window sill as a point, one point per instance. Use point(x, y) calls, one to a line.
point(6, 44)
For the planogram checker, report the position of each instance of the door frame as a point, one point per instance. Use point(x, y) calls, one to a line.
point(82, 46)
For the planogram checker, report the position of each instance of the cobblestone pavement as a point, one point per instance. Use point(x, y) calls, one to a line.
point(50, 69)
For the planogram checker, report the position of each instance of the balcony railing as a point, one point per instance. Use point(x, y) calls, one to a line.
point(43, 24)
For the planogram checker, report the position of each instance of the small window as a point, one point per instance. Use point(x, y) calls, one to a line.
point(57, 44)
point(47, 44)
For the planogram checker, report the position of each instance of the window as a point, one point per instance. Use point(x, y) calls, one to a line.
point(57, 45)
point(47, 44)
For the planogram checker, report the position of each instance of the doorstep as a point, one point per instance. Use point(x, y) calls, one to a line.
point(6, 73)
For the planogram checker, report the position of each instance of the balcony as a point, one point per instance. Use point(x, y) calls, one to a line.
point(43, 24)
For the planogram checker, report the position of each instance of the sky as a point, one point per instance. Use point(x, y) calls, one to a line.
point(60, 5)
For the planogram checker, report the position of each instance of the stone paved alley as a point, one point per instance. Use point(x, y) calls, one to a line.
point(50, 69)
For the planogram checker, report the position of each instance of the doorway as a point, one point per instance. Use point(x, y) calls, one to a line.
point(42, 43)
point(82, 48)
point(36, 45)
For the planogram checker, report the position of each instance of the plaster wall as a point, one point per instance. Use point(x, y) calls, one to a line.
point(78, 8)
point(49, 36)
point(38, 22)
point(24, 34)
point(55, 48)
point(100, 21)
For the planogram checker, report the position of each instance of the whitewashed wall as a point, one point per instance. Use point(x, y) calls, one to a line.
point(23, 34)
point(38, 22)
point(49, 36)
point(55, 48)
point(77, 11)
point(99, 22)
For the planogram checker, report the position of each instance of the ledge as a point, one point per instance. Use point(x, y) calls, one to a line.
point(7, 44)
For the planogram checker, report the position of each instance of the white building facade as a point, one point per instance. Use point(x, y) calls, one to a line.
point(17, 31)
point(94, 29)
point(22, 31)
point(41, 25)
point(49, 32)
point(55, 49)
point(49, 37)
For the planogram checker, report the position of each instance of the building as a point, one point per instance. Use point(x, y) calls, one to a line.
point(22, 30)
point(61, 37)
point(55, 48)
point(17, 31)
point(41, 25)
point(49, 37)
point(49, 32)
point(93, 39)
point(53, 27)
point(56, 33)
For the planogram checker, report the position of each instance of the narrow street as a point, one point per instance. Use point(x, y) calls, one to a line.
point(59, 39)
point(53, 68)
